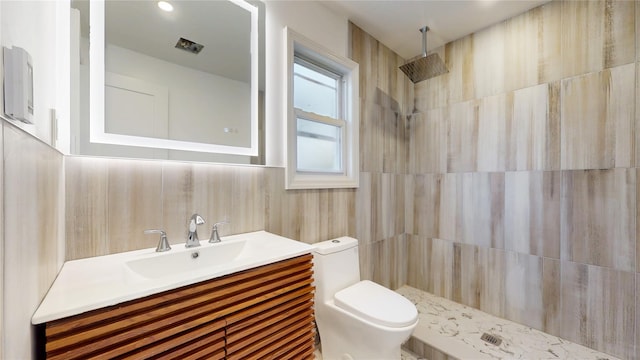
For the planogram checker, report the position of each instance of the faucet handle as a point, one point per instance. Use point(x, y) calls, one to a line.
point(215, 237)
point(163, 244)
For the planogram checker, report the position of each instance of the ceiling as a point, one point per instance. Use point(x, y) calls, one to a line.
point(396, 23)
point(141, 26)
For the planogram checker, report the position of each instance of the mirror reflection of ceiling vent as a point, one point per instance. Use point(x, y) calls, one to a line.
point(188, 45)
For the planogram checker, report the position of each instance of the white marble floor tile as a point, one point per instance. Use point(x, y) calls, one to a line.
point(455, 329)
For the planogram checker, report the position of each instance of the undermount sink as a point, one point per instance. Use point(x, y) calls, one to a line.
point(206, 256)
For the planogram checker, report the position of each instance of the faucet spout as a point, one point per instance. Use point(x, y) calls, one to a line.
point(192, 235)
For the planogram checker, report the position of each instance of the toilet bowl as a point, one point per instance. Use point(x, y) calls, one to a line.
point(357, 319)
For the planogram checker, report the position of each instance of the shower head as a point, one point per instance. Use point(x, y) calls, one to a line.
point(425, 66)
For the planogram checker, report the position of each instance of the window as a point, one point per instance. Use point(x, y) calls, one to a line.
point(322, 125)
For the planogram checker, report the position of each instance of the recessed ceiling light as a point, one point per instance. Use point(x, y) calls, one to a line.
point(165, 6)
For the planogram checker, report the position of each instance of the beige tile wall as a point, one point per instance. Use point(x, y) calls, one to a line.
point(521, 191)
point(386, 103)
point(111, 202)
point(2, 240)
point(307, 215)
point(33, 236)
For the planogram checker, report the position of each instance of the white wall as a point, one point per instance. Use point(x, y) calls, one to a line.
point(42, 29)
point(201, 105)
point(315, 22)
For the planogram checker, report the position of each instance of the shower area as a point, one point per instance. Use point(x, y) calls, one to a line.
point(508, 184)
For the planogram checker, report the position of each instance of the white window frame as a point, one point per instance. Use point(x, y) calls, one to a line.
point(298, 45)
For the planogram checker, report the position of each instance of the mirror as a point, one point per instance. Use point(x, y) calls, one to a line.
point(151, 95)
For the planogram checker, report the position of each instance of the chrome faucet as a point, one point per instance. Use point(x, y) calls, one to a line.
point(163, 244)
point(214, 238)
point(192, 236)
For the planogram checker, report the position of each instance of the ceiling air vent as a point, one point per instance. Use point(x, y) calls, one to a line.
point(188, 45)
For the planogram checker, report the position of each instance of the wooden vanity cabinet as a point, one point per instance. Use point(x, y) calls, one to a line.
point(265, 312)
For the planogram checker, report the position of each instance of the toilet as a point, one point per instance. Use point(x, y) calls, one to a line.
point(356, 319)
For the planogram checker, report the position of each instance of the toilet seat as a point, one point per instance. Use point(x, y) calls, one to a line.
point(377, 304)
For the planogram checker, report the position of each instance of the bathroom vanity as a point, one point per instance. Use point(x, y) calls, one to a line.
point(237, 311)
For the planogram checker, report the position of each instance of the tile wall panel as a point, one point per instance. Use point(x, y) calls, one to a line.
point(364, 51)
point(479, 278)
point(636, 144)
point(86, 207)
point(104, 196)
point(383, 261)
point(307, 215)
point(458, 56)
point(532, 47)
point(428, 141)
point(450, 220)
point(418, 256)
point(493, 117)
point(390, 206)
point(33, 183)
point(432, 261)
point(524, 292)
point(365, 208)
point(371, 137)
point(541, 126)
point(533, 139)
point(463, 125)
point(2, 240)
point(598, 116)
point(378, 217)
point(489, 61)
point(483, 209)
point(598, 217)
point(218, 193)
point(598, 308)
point(422, 216)
point(134, 204)
point(596, 35)
point(637, 319)
point(394, 143)
point(532, 213)
point(637, 14)
point(551, 296)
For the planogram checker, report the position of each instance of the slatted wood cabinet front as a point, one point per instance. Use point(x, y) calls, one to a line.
point(266, 312)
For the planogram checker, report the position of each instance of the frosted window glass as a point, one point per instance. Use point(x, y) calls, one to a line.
point(319, 146)
point(314, 92)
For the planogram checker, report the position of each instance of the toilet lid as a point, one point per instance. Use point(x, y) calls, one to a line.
point(377, 304)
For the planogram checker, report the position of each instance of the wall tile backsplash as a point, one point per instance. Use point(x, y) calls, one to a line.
point(122, 198)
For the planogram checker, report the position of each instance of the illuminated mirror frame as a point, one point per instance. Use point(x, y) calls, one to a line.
point(97, 82)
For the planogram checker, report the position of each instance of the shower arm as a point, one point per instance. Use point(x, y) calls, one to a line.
point(424, 40)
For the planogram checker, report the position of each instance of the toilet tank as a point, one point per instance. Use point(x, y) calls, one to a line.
point(336, 266)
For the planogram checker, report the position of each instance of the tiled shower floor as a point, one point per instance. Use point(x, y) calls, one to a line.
point(455, 329)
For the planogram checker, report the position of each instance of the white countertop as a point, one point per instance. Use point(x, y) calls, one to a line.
point(93, 283)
